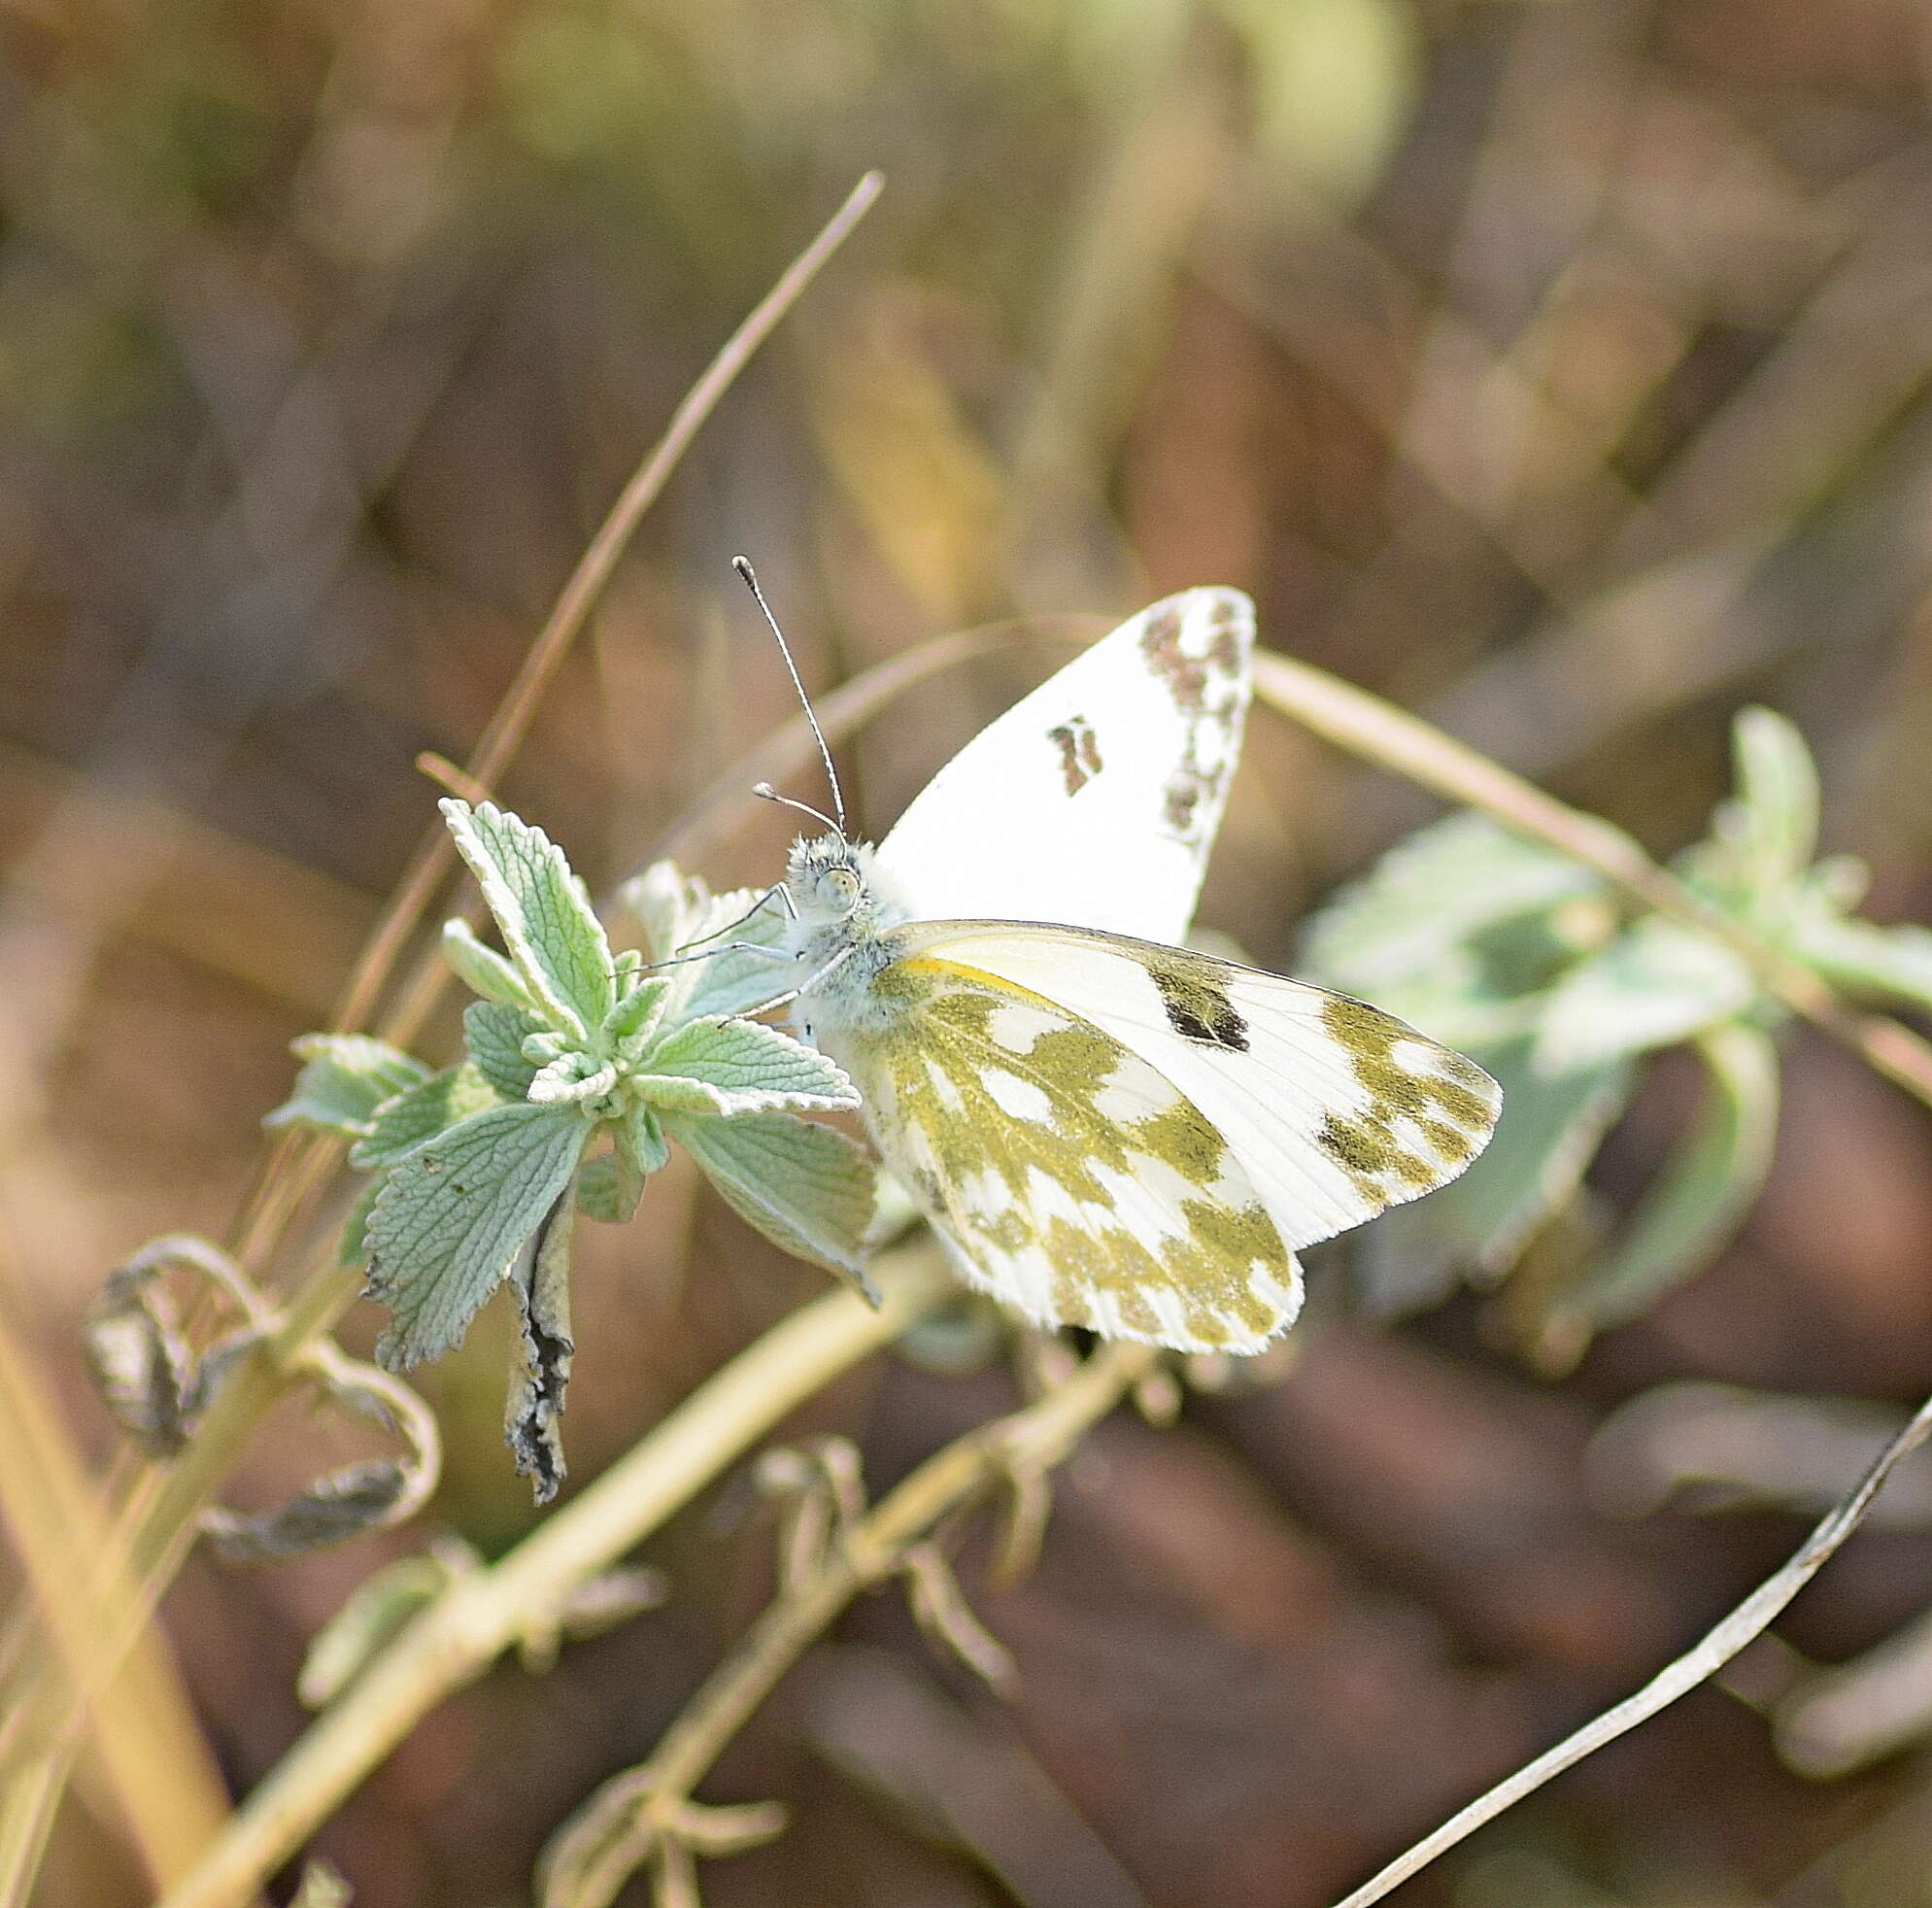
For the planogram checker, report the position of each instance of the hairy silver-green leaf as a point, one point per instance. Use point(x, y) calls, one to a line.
point(494, 1034)
point(541, 910)
point(344, 1079)
point(454, 1214)
point(572, 1080)
point(641, 1139)
point(1459, 930)
point(1434, 898)
point(403, 1123)
point(607, 1190)
point(1549, 1131)
point(680, 916)
point(482, 969)
point(806, 1187)
point(730, 1068)
point(609, 1187)
point(1860, 957)
point(353, 1248)
point(1655, 984)
point(1699, 1199)
point(639, 1009)
point(1773, 825)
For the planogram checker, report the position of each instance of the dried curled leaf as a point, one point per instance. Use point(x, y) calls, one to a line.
point(137, 1351)
point(369, 1495)
point(540, 1363)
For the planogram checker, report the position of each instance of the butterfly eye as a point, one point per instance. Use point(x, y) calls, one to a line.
point(839, 886)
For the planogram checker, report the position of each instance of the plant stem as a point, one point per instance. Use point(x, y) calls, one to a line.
point(615, 1828)
point(498, 741)
point(1744, 1625)
point(159, 1513)
point(1366, 726)
point(456, 1637)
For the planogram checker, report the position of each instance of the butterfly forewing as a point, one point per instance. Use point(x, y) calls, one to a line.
point(1071, 1177)
point(1096, 799)
point(1335, 1109)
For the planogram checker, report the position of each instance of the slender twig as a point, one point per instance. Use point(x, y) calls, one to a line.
point(1366, 726)
point(1748, 1621)
point(632, 1818)
point(159, 1510)
point(483, 1612)
point(578, 596)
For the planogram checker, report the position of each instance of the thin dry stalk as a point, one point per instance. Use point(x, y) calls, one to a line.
point(483, 1612)
point(159, 1512)
point(166, 1784)
point(1748, 1622)
point(643, 1815)
point(506, 728)
point(1380, 733)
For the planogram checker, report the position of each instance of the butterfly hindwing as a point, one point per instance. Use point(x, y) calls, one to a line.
point(1097, 798)
point(1070, 1178)
point(1335, 1109)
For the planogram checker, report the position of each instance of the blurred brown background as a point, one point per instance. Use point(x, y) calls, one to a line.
point(1560, 369)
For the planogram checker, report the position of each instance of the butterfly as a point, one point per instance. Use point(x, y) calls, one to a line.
point(1104, 1128)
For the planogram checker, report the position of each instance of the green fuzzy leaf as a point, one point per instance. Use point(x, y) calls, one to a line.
point(1655, 984)
point(353, 1248)
point(403, 1123)
point(661, 900)
point(482, 969)
point(455, 1214)
point(494, 1034)
point(1549, 1131)
point(344, 1079)
point(641, 1139)
point(572, 1080)
point(1459, 930)
point(806, 1187)
point(609, 1187)
point(373, 1613)
point(608, 1191)
point(679, 914)
point(542, 911)
point(1773, 825)
point(730, 1068)
point(1698, 1203)
point(1860, 957)
point(639, 1009)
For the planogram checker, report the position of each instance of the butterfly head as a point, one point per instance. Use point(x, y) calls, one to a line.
point(828, 878)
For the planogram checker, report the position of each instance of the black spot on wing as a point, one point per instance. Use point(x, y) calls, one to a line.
point(1196, 1004)
point(1079, 752)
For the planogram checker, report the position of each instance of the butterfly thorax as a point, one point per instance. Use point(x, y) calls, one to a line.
point(841, 933)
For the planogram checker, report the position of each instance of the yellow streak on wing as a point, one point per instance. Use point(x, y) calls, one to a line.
point(1218, 1253)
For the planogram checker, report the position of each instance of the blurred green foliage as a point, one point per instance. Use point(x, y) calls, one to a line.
point(1505, 948)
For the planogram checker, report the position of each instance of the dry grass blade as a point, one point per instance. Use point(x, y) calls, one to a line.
point(486, 1612)
point(1380, 733)
point(500, 739)
point(168, 1789)
point(1748, 1621)
point(635, 1816)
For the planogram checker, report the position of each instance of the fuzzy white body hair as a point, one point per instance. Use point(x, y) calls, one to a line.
point(840, 937)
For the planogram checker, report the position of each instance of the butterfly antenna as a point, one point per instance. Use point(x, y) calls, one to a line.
point(766, 793)
point(742, 564)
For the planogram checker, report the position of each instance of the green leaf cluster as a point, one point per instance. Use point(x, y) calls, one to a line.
point(581, 1068)
point(1529, 962)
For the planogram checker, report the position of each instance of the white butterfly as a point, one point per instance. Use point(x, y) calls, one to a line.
point(1105, 1129)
